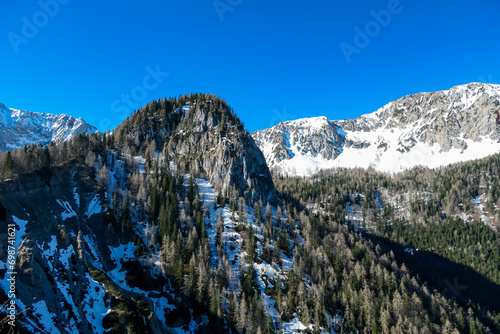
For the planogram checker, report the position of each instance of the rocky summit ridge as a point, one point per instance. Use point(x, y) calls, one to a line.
point(201, 135)
point(21, 128)
point(426, 129)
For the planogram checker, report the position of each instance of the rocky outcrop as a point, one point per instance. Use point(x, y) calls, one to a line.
point(201, 135)
point(212, 146)
point(447, 117)
point(316, 137)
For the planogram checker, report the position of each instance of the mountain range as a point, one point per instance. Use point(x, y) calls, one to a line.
point(20, 128)
point(174, 223)
point(426, 129)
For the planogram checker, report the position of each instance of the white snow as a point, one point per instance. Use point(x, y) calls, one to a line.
point(68, 210)
point(26, 128)
point(294, 326)
point(192, 327)
point(391, 160)
point(94, 259)
point(264, 272)
point(381, 143)
point(160, 305)
point(45, 318)
point(21, 226)
point(65, 254)
point(76, 196)
point(118, 275)
point(208, 198)
point(94, 305)
point(64, 289)
point(231, 239)
point(94, 207)
point(48, 254)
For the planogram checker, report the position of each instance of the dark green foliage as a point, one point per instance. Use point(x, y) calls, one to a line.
point(248, 282)
point(440, 194)
point(472, 244)
point(127, 316)
point(8, 164)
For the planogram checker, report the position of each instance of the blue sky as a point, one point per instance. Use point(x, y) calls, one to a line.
point(271, 60)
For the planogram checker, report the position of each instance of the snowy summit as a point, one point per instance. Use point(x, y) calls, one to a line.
point(20, 128)
point(426, 129)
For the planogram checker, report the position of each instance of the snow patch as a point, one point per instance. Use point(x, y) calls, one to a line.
point(94, 306)
point(64, 256)
point(48, 253)
point(94, 207)
point(45, 318)
point(68, 210)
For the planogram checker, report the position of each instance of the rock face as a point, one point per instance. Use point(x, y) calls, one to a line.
point(295, 145)
point(48, 275)
point(81, 250)
point(223, 153)
point(428, 129)
point(20, 128)
point(447, 118)
point(68, 252)
point(202, 136)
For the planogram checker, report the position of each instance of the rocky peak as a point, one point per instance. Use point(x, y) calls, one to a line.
point(201, 135)
point(306, 138)
point(214, 144)
point(413, 130)
point(20, 128)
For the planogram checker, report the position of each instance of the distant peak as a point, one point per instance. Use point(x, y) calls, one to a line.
point(472, 84)
point(475, 86)
point(317, 121)
point(19, 128)
point(311, 119)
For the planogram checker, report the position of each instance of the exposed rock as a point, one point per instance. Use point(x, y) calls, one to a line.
point(204, 138)
point(315, 137)
point(412, 130)
point(20, 128)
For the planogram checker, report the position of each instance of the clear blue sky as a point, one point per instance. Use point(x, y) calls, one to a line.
point(271, 60)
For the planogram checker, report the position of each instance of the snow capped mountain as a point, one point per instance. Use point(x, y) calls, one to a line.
point(20, 128)
point(426, 129)
point(302, 146)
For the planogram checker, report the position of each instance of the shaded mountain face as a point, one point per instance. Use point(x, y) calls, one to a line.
point(78, 265)
point(202, 136)
point(19, 128)
point(425, 129)
point(48, 210)
point(90, 229)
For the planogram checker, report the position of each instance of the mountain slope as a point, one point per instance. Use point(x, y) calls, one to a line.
point(124, 232)
point(427, 129)
point(200, 134)
point(302, 146)
point(19, 128)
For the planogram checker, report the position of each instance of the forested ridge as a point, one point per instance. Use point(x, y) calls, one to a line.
point(335, 242)
point(421, 210)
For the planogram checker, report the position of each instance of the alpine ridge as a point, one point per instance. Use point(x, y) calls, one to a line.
point(172, 223)
point(21, 128)
point(425, 129)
